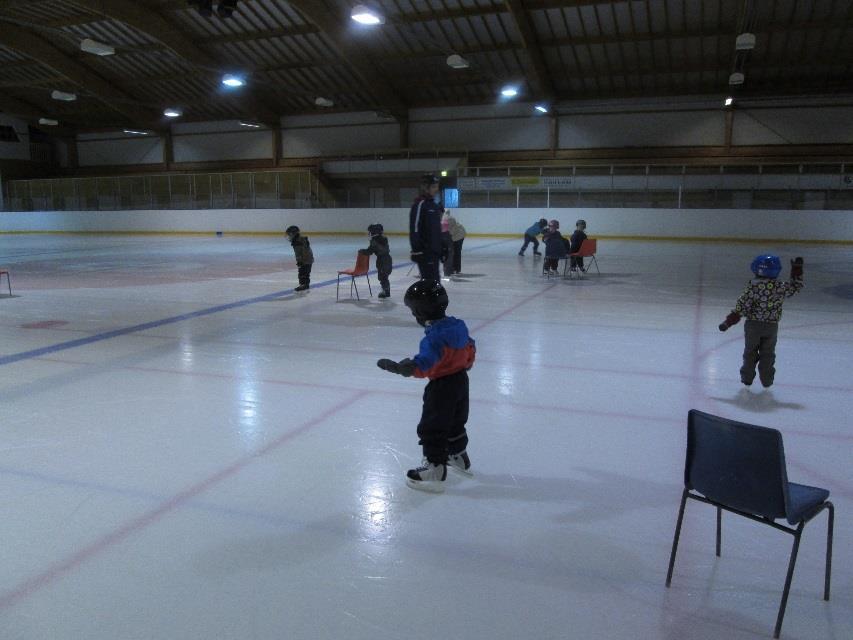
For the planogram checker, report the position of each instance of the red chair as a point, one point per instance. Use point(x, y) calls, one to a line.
point(361, 268)
point(5, 272)
point(587, 249)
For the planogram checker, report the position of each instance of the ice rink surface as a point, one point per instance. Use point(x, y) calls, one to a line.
point(188, 450)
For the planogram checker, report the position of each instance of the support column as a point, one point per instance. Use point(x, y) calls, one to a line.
point(168, 151)
point(276, 146)
point(730, 122)
point(554, 136)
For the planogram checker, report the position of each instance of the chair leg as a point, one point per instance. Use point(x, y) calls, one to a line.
point(338, 289)
point(595, 262)
point(352, 285)
point(675, 539)
point(8, 282)
point(829, 527)
point(791, 563)
point(719, 529)
point(368, 286)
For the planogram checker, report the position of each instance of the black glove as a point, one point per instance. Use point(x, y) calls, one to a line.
point(416, 256)
point(732, 319)
point(404, 368)
point(797, 268)
point(298, 265)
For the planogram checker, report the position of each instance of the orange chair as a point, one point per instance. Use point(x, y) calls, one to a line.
point(5, 272)
point(361, 268)
point(587, 249)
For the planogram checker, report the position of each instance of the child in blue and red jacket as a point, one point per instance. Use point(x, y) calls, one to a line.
point(446, 353)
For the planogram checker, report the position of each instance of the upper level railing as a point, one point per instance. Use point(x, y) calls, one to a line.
point(777, 186)
point(240, 190)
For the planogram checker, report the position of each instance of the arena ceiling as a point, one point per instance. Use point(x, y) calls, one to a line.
point(167, 54)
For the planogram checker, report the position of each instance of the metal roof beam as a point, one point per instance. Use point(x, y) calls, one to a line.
point(34, 46)
point(152, 23)
point(531, 44)
point(353, 55)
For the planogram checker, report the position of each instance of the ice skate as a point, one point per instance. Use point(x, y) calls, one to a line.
point(385, 293)
point(302, 287)
point(428, 477)
point(535, 253)
point(461, 462)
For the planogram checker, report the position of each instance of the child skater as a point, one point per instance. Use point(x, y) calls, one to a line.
point(555, 248)
point(304, 256)
point(530, 236)
point(761, 303)
point(379, 247)
point(446, 353)
point(575, 245)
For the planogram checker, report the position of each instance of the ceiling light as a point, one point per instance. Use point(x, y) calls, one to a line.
point(541, 108)
point(230, 80)
point(323, 102)
point(509, 92)
point(456, 61)
point(736, 78)
point(134, 132)
point(251, 125)
point(745, 42)
point(366, 15)
point(63, 95)
point(97, 48)
point(50, 122)
point(729, 101)
point(444, 174)
point(173, 112)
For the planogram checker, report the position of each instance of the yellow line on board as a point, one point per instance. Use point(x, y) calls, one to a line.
point(509, 236)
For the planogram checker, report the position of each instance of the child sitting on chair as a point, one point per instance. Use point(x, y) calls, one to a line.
point(379, 247)
point(576, 262)
point(555, 248)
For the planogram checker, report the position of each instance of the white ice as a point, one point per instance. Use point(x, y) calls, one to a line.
point(238, 473)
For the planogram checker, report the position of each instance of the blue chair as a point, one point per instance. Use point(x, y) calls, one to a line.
point(740, 468)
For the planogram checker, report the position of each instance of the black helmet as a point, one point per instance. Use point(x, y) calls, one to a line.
point(581, 224)
point(292, 230)
point(375, 229)
point(543, 222)
point(429, 179)
point(427, 299)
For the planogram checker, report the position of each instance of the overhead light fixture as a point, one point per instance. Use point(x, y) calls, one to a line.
point(323, 102)
point(251, 125)
point(226, 8)
point(541, 108)
point(745, 42)
point(48, 122)
point(456, 61)
point(97, 48)
point(173, 112)
point(63, 95)
point(444, 173)
point(736, 78)
point(230, 80)
point(366, 15)
point(509, 92)
point(134, 132)
point(729, 101)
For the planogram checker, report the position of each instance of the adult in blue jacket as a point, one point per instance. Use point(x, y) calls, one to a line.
point(425, 229)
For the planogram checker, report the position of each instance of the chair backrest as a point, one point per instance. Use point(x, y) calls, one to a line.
point(588, 247)
point(736, 464)
point(362, 264)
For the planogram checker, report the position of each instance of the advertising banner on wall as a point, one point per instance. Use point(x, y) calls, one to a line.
point(511, 183)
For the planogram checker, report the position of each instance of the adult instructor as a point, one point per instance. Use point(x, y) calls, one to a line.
point(425, 229)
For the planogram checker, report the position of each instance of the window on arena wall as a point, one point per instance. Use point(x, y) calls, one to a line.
point(8, 134)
